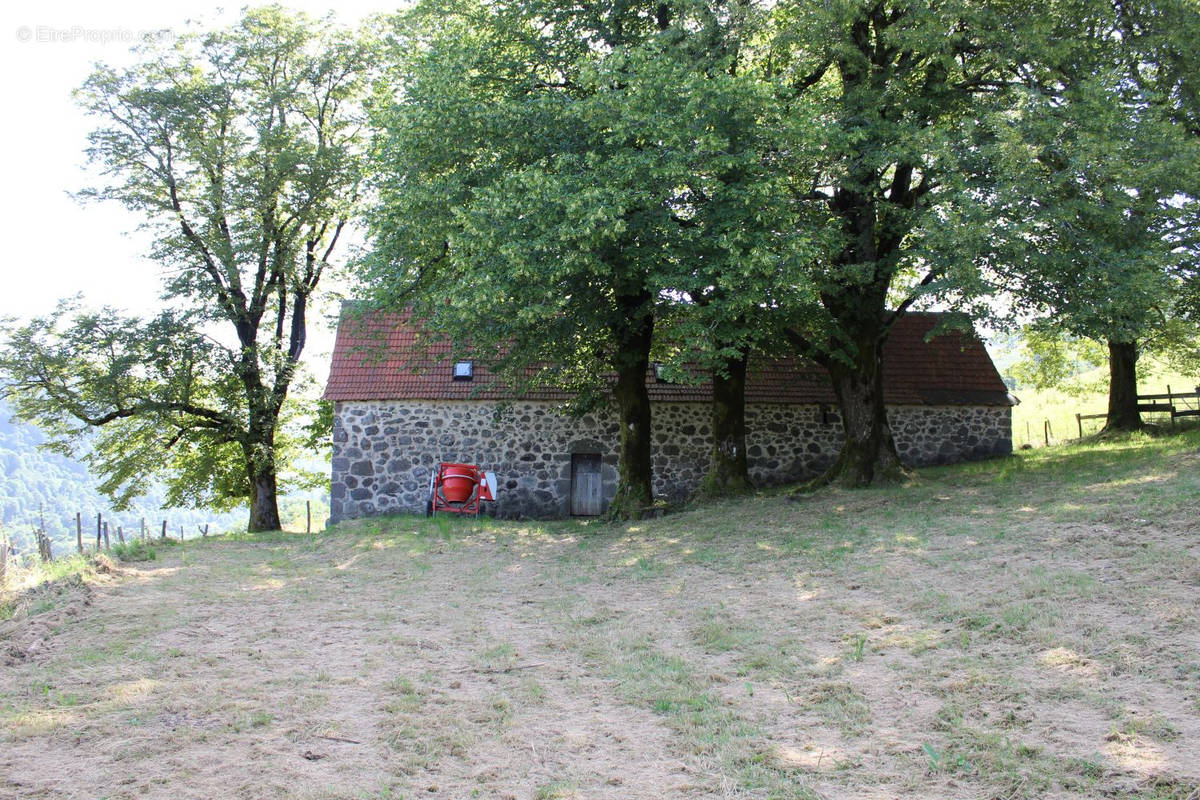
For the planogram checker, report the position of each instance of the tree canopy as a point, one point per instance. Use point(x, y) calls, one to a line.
point(241, 149)
point(602, 162)
point(552, 174)
point(1100, 195)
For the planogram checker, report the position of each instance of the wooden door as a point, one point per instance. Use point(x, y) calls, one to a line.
point(587, 499)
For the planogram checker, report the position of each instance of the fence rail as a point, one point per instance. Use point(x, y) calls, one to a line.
point(1079, 418)
point(104, 538)
point(1179, 404)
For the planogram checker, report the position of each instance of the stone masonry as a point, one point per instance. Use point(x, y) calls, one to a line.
point(383, 451)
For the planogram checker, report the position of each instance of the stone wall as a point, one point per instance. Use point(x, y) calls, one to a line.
point(383, 451)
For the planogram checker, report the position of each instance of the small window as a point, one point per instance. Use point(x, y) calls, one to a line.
point(660, 373)
point(464, 370)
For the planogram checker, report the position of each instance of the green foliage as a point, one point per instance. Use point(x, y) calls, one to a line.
point(567, 213)
point(241, 150)
point(136, 550)
point(1100, 194)
point(154, 386)
point(885, 104)
point(1049, 360)
point(565, 185)
point(1104, 198)
point(43, 488)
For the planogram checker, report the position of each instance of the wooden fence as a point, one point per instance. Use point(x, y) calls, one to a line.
point(1177, 404)
point(105, 536)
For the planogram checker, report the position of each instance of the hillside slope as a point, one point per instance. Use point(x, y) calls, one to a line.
point(1023, 628)
point(36, 484)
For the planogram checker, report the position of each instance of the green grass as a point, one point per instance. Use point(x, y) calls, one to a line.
point(1088, 396)
point(672, 688)
point(895, 641)
point(136, 550)
point(719, 632)
point(37, 586)
point(556, 790)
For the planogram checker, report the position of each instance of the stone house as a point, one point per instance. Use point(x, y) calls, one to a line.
point(400, 406)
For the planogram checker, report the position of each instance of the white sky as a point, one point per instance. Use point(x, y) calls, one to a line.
point(56, 247)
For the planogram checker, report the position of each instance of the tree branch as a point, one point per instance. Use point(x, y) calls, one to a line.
point(899, 311)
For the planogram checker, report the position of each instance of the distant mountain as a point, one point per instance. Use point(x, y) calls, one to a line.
point(36, 484)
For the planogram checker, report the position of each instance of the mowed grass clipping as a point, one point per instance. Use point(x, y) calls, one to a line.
point(1021, 628)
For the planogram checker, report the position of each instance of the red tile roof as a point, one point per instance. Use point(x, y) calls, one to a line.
point(383, 356)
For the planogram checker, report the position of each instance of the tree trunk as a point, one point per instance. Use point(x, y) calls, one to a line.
point(868, 453)
point(259, 453)
point(635, 491)
point(728, 471)
point(1123, 414)
point(264, 506)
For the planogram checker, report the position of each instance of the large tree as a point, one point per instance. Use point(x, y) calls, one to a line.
point(1099, 264)
point(887, 99)
point(545, 187)
point(1102, 195)
point(240, 149)
point(1162, 42)
point(733, 216)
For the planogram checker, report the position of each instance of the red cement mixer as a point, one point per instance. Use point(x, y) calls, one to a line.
point(459, 489)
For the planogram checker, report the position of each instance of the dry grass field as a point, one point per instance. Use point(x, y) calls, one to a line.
point(1024, 628)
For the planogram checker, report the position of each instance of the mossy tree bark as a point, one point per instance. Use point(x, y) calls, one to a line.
point(1123, 414)
point(728, 470)
point(633, 333)
point(868, 455)
point(869, 452)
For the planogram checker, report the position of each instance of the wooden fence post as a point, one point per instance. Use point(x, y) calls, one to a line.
point(1046, 430)
point(308, 511)
point(1079, 422)
point(99, 527)
point(106, 535)
point(43, 544)
point(79, 530)
point(181, 533)
point(121, 534)
point(1171, 402)
point(164, 533)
